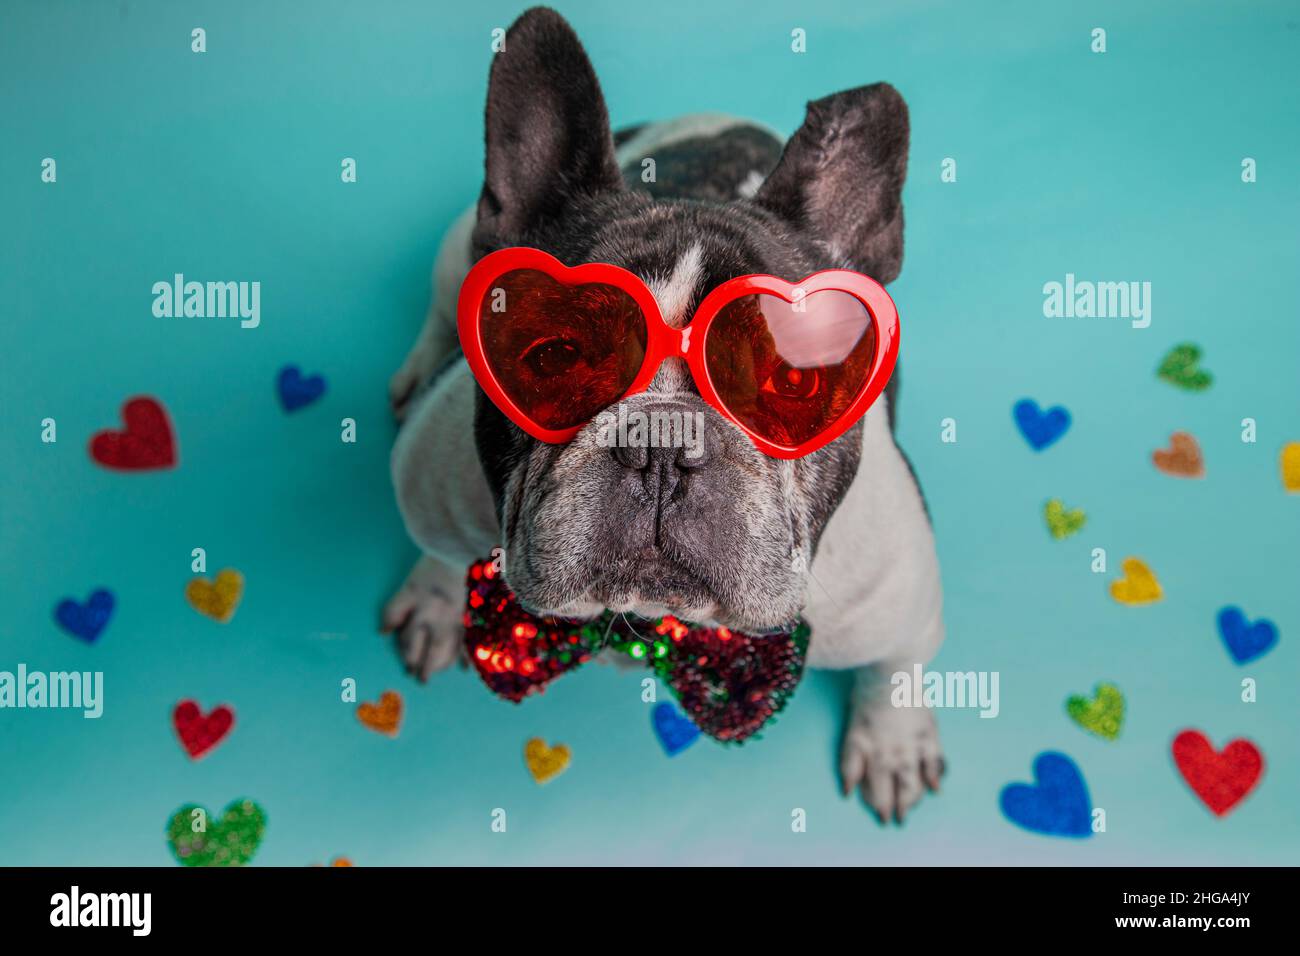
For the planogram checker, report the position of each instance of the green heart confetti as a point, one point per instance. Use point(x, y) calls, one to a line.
point(197, 840)
point(1103, 715)
point(1062, 523)
point(1179, 368)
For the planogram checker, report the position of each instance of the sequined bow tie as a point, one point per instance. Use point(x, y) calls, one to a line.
point(729, 684)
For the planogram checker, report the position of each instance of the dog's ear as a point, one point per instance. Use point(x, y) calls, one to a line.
point(840, 178)
point(548, 136)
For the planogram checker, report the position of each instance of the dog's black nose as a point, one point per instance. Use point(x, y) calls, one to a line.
point(643, 458)
point(665, 476)
point(664, 448)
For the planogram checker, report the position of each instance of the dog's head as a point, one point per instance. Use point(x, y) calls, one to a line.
point(718, 533)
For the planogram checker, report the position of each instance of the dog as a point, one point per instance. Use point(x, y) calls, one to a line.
point(736, 538)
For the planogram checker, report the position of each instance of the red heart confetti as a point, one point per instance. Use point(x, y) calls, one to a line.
point(147, 442)
point(200, 732)
point(1220, 778)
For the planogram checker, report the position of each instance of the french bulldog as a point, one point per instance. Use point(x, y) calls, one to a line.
point(729, 537)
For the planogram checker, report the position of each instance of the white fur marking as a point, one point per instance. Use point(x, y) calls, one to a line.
point(748, 188)
point(674, 293)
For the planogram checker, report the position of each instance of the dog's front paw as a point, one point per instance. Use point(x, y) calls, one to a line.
point(892, 754)
point(428, 623)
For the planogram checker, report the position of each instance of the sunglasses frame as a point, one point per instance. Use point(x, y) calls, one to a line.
point(687, 343)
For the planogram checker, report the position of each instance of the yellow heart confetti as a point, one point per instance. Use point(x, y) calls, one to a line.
point(216, 599)
point(545, 762)
point(1290, 461)
point(1137, 586)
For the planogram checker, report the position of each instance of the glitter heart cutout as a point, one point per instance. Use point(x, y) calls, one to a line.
point(674, 730)
point(297, 391)
point(216, 599)
point(1137, 586)
point(384, 717)
point(1289, 462)
point(1179, 368)
point(1246, 641)
point(1182, 459)
point(1056, 804)
point(230, 841)
point(200, 732)
point(146, 443)
point(1221, 779)
point(544, 762)
point(1061, 523)
point(86, 621)
point(1040, 428)
point(1103, 715)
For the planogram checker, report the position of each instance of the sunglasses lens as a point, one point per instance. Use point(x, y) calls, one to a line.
point(788, 371)
point(561, 353)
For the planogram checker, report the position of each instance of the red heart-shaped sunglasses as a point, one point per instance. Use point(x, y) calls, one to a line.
point(793, 364)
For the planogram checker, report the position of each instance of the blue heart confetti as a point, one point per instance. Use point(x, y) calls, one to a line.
point(1040, 428)
point(1246, 641)
point(1057, 804)
point(674, 729)
point(296, 391)
point(86, 621)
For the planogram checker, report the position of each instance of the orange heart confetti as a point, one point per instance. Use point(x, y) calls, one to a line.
point(216, 599)
point(1290, 462)
point(384, 717)
point(1137, 586)
point(544, 762)
point(1182, 458)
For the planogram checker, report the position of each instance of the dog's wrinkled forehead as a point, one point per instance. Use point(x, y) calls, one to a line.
point(683, 250)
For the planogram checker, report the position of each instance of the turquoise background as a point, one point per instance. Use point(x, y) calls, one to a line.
point(225, 166)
